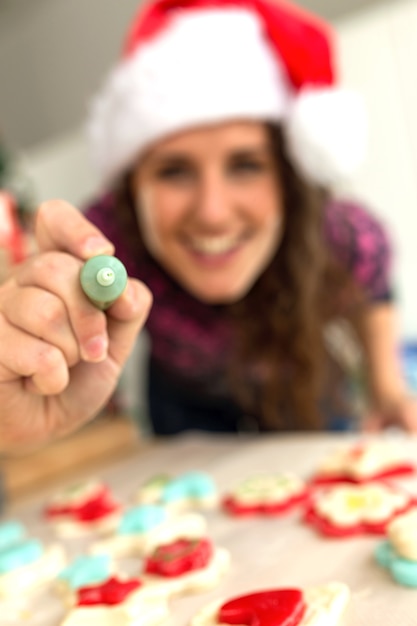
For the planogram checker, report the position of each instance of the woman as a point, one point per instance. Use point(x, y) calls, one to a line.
point(219, 136)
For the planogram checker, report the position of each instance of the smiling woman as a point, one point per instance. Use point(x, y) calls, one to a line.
point(226, 196)
point(210, 208)
point(218, 164)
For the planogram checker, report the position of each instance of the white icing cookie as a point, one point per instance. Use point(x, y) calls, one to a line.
point(349, 505)
point(32, 576)
point(325, 606)
point(77, 494)
point(402, 533)
point(136, 543)
point(144, 606)
point(364, 460)
point(265, 493)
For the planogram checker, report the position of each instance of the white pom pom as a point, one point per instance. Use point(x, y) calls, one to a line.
point(326, 134)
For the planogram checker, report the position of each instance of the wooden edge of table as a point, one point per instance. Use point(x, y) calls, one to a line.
point(97, 443)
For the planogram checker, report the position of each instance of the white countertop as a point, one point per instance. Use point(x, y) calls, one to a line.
point(266, 553)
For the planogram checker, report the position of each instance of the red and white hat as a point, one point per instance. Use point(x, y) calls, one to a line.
point(192, 62)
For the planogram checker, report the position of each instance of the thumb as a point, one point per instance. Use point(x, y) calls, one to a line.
point(126, 318)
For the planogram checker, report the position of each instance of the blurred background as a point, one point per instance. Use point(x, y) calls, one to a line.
point(54, 54)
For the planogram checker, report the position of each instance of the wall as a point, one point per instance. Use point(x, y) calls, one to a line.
point(378, 49)
point(53, 54)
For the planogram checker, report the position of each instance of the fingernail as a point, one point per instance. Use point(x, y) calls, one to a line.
point(95, 349)
point(96, 245)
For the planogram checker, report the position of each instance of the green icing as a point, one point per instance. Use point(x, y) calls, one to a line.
point(94, 286)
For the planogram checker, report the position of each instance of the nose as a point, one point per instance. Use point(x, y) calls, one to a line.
point(214, 203)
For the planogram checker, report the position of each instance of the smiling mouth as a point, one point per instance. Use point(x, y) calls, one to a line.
point(214, 246)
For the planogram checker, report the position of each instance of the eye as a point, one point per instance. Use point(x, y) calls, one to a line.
point(247, 166)
point(175, 172)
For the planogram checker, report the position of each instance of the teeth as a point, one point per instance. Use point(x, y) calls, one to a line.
point(213, 245)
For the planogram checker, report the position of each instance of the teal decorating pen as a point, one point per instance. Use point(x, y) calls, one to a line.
point(103, 279)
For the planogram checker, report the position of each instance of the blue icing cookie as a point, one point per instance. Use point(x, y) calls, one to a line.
point(189, 485)
point(384, 554)
point(402, 570)
point(10, 533)
point(20, 554)
point(86, 570)
point(140, 519)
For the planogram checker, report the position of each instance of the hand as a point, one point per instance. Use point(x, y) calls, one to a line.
point(60, 357)
point(400, 412)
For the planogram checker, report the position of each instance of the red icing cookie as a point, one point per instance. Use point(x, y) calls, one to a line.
point(234, 507)
point(179, 557)
point(269, 494)
point(126, 602)
point(281, 607)
point(324, 604)
point(364, 462)
point(346, 510)
point(100, 505)
point(109, 593)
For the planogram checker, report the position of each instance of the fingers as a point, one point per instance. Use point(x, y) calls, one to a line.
point(48, 324)
point(56, 309)
point(42, 315)
point(51, 305)
point(60, 226)
point(126, 318)
point(407, 414)
point(401, 413)
point(22, 355)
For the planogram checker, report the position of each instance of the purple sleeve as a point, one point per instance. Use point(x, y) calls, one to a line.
point(360, 242)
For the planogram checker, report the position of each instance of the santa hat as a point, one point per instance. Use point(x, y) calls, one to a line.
point(192, 62)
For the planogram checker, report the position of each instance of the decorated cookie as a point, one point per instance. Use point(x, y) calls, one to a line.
point(399, 553)
point(315, 606)
point(83, 508)
point(344, 510)
point(120, 602)
point(11, 532)
point(192, 490)
point(402, 533)
point(150, 492)
point(270, 494)
point(186, 565)
point(144, 527)
point(25, 563)
point(365, 461)
point(82, 572)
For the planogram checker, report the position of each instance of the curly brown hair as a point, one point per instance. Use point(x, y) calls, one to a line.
point(280, 323)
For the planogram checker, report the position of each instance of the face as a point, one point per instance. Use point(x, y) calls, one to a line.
point(210, 208)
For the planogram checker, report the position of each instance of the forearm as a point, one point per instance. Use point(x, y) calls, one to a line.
point(390, 402)
point(378, 330)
